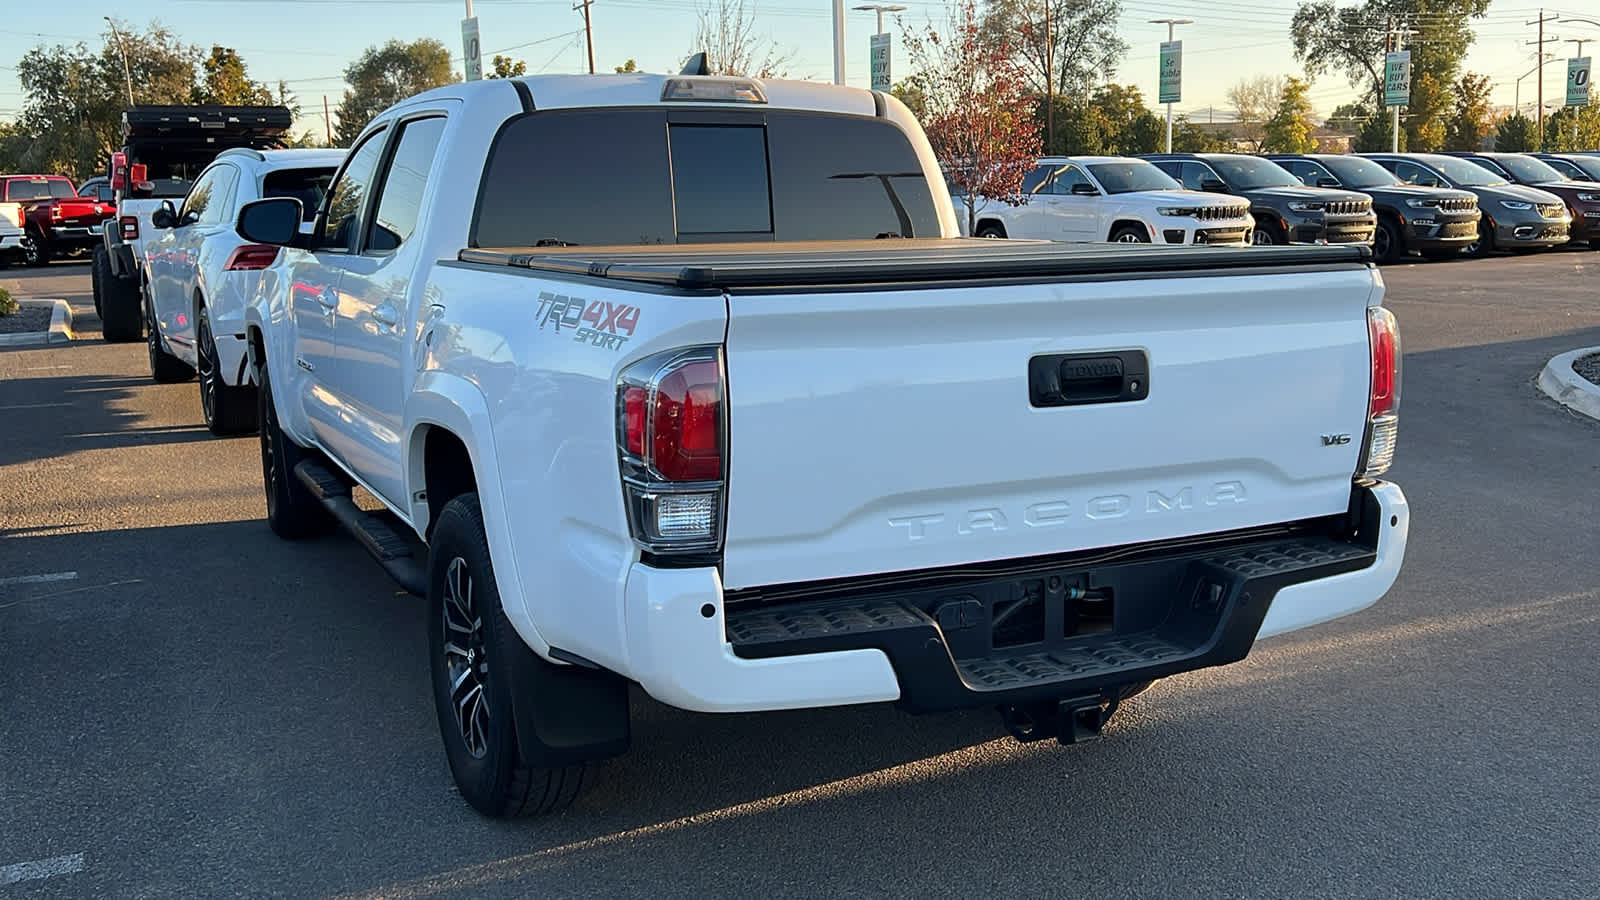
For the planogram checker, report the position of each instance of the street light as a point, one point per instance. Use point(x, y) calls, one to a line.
point(1170, 23)
point(1517, 102)
point(880, 8)
point(128, 76)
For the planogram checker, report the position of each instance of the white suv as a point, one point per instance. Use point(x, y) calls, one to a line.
point(1112, 198)
point(201, 274)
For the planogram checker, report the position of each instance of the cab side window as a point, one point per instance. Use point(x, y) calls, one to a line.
point(1411, 173)
point(1034, 181)
point(1196, 174)
point(347, 203)
point(400, 197)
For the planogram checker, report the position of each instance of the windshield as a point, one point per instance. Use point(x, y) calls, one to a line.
point(1134, 175)
point(39, 189)
point(1355, 172)
point(1526, 168)
point(1464, 173)
point(1244, 173)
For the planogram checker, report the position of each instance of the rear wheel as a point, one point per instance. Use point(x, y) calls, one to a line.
point(35, 249)
point(1130, 234)
point(228, 410)
point(991, 230)
point(121, 314)
point(292, 511)
point(99, 271)
point(164, 367)
point(471, 643)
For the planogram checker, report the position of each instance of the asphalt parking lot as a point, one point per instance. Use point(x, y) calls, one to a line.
point(193, 708)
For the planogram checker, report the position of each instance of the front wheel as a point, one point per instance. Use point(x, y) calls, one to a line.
point(1484, 245)
point(1267, 234)
point(470, 646)
point(292, 511)
point(992, 230)
point(1130, 234)
point(164, 367)
point(228, 410)
point(1387, 245)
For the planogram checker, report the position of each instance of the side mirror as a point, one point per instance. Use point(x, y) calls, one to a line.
point(1212, 185)
point(1327, 182)
point(275, 221)
point(164, 216)
point(1084, 189)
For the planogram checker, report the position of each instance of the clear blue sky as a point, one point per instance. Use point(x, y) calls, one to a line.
point(309, 42)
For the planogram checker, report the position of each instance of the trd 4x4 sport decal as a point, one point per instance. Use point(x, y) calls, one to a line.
point(610, 325)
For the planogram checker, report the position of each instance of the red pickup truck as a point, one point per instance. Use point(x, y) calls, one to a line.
point(56, 221)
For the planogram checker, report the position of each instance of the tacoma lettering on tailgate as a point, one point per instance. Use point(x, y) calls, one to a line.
point(1058, 512)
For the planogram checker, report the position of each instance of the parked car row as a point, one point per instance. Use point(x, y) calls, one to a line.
point(1435, 205)
point(44, 217)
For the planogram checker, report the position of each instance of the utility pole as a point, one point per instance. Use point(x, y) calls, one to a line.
point(838, 41)
point(1538, 47)
point(327, 119)
point(126, 74)
point(1170, 23)
point(588, 30)
point(1049, 81)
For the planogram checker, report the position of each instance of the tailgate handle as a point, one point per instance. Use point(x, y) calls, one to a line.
point(1076, 379)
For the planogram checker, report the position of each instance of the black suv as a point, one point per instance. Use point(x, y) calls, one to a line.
point(1286, 211)
point(1436, 222)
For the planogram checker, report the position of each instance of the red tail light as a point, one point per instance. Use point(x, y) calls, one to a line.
point(55, 212)
point(249, 257)
point(671, 445)
point(1383, 395)
point(130, 227)
point(1385, 344)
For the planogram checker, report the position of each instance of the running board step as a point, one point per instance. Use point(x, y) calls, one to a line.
point(402, 557)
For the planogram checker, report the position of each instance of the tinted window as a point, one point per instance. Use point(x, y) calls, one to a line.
point(1035, 179)
point(1567, 169)
point(1488, 164)
point(810, 177)
point(348, 202)
point(1528, 169)
point(1127, 177)
point(1064, 178)
point(1195, 175)
point(309, 186)
point(400, 199)
point(1357, 173)
point(1244, 173)
point(220, 209)
point(719, 179)
point(1307, 172)
point(1411, 173)
point(1464, 173)
point(38, 189)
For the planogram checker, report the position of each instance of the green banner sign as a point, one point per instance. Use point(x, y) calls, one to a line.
point(1578, 81)
point(1397, 78)
point(1171, 72)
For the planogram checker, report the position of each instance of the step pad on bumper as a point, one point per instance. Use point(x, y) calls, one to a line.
point(1172, 613)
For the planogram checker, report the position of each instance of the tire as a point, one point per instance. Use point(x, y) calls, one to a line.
point(1388, 247)
point(228, 410)
point(1267, 234)
point(292, 511)
point(35, 249)
point(99, 271)
point(164, 367)
point(991, 230)
point(121, 308)
point(481, 741)
point(1130, 234)
point(1484, 245)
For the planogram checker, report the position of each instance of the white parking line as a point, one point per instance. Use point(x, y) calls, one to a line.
point(46, 578)
point(41, 868)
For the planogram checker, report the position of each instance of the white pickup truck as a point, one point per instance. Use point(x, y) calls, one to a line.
point(689, 383)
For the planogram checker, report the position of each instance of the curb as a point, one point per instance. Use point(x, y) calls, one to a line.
point(60, 331)
point(1567, 387)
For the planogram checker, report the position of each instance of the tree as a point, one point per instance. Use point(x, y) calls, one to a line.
point(1187, 137)
point(907, 92)
point(979, 116)
point(1253, 101)
point(506, 67)
point(1348, 117)
point(726, 33)
point(628, 67)
point(224, 81)
point(73, 97)
point(1128, 125)
point(1516, 134)
point(1469, 122)
point(1289, 129)
point(383, 76)
point(1377, 135)
point(1559, 134)
point(1081, 46)
point(1426, 119)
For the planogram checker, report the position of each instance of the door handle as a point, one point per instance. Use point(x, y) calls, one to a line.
point(385, 315)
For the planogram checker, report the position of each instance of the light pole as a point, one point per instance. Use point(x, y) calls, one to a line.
point(838, 41)
point(880, 37)
point(1170, 23)
point(1517, 102)
point(126, 74)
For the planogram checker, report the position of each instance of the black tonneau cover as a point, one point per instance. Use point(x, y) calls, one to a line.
point(856, 263)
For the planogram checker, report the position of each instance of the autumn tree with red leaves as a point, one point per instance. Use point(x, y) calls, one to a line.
point(978, 113)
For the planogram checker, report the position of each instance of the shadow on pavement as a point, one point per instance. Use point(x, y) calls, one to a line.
point(42, 418)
